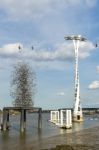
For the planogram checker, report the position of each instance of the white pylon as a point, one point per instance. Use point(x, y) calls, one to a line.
point(77, 112)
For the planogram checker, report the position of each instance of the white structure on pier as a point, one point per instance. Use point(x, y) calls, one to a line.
point(54, 116)
point(61, 118)
point(65, 119)
point(77, 113)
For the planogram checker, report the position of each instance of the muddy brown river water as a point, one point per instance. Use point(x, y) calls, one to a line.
point(86, 133)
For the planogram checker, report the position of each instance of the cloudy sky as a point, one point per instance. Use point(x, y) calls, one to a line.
point(43, 25)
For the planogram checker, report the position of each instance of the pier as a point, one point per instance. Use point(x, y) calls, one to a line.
point(22, 110)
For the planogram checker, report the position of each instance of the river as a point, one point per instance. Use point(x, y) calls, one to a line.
point(14, 137)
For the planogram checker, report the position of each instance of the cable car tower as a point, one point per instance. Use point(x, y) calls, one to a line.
point(77, 111)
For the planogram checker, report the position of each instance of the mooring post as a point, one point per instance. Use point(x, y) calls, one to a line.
point(4, 119)
point(23, 120)
point(40, 118)
point(7, 118)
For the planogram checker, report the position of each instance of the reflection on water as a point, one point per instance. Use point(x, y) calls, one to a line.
point(14, 137)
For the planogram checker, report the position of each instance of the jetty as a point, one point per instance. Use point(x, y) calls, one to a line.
point(22, 110)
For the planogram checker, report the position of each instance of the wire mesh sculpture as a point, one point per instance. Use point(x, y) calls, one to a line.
point(23, 85)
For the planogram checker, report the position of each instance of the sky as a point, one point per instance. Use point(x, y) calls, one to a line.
point(44, 24)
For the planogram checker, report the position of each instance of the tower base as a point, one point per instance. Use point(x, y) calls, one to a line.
point(78, 118)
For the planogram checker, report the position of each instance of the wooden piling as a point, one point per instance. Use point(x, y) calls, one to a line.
point(4, 120)
point(23, 120)
point(7, 118)
point(40, 118)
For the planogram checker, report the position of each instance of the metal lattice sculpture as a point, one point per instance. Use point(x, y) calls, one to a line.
point(23, 85)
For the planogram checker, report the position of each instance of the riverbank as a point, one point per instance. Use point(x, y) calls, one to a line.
point(87, 139)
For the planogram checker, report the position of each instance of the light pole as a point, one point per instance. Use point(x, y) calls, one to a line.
point(77, 112)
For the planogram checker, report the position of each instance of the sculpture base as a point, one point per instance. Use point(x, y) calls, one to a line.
point(78, 118)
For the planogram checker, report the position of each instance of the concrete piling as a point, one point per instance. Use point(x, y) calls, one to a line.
point(40, 118)
point(22, 111)
point(23, 120)
point(8, 119)
point(4, 120)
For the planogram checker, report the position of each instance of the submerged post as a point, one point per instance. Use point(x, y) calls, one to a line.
point(23, 120)
point(40, 118)
point(4, 119)
point(1, 121)
point(7, 118)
